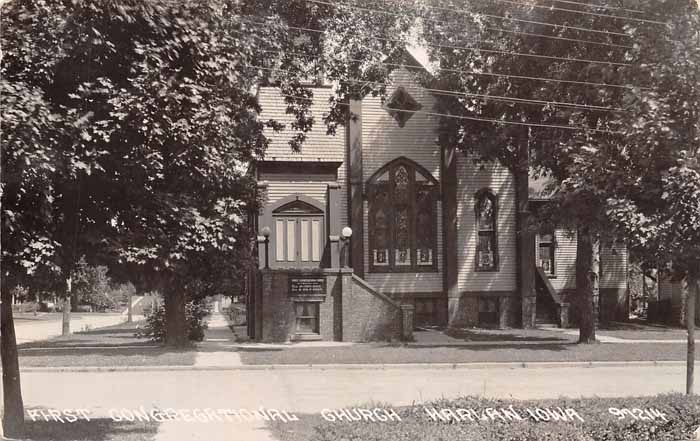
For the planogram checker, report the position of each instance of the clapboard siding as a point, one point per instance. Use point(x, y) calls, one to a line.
point(665, 289)
point(317, 146)
point(471, 178)
point(383, 141)
point(613, 266)
point(564, 260)
point(280, 190)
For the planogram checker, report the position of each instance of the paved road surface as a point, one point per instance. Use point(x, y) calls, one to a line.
point(49, 325)
point(313, 390)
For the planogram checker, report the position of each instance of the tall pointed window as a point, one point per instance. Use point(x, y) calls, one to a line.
point(402, 218)
point(486, 208)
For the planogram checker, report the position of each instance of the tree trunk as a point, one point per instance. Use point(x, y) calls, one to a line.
point(587, 262)
point(66, 307)
point(690, 299)
point(129, 317)
point(74, 301)
point(13, 415)
point(176, 334)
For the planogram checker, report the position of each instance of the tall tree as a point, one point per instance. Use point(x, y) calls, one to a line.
point(650, 173)
point(130, 142)
point(28, 165)
point(521, 81)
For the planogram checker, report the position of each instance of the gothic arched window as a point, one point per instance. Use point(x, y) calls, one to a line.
point(486, 208)
point(402, 218)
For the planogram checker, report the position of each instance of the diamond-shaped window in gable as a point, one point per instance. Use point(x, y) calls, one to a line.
point(401, 106)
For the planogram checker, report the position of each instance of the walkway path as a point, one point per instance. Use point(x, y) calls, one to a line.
point(215, 350)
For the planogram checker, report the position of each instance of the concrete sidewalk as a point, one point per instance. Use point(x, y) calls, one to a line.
point(304, 391)
point(215, 350)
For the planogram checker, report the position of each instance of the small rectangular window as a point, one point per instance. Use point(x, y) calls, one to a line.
point(306, 317)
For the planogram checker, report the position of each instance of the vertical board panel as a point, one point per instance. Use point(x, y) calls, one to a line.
point(316, 241)
point(279, 239)
point(305, 242)
point(291, 240)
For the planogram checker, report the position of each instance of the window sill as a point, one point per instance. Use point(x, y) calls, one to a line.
point(306, 337)
point(402, 270)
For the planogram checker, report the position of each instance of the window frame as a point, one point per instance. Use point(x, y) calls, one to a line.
point(373, 187)
point(316, 317)
point(295, 212)
point(552, 252)
point(478, 197)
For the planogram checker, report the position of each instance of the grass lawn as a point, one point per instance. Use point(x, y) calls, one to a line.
point(121, 334)
point(107, 357)
point(671, 334)
point(474, 419)
point(104, 347)
point(637, 331)
point(496, 335)
point(103, 429)
point(385, 354)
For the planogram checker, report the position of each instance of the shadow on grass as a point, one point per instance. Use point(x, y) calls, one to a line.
point(102, 429)
point(107, 351)
point(122, 334)
point(639, 325)
point(252, 349)
point(488, 346)
point(107, 357)
point(125, 331)
point(482, 336)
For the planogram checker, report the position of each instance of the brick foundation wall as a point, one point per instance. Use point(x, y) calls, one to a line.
point(463, 311)
point(367, 315)
point(278, 315)
point(349, 310)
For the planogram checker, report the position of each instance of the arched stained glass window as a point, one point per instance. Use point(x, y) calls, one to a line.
point(486, 209)
point(402, 218)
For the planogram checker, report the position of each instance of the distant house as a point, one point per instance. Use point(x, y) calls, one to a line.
point(434, 235)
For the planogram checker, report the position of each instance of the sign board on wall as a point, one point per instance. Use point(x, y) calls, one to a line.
point(307, 286)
